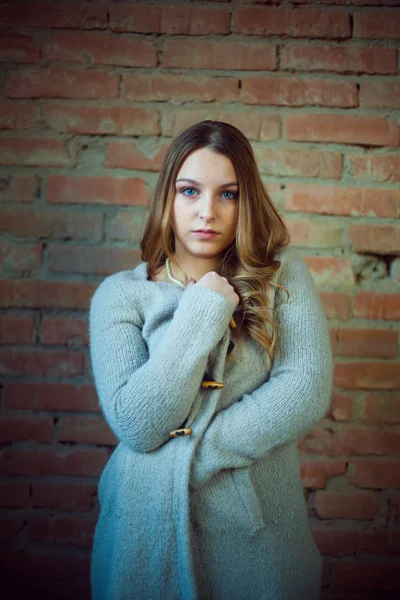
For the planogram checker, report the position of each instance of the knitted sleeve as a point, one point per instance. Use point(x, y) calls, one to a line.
point(144, 397)
point(294, 398)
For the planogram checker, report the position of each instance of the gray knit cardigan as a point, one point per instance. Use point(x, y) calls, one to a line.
point(218, 514)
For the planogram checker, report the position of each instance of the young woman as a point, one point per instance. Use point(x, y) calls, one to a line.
point(210, 358)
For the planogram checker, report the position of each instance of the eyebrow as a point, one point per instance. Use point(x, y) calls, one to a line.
point(198, 183)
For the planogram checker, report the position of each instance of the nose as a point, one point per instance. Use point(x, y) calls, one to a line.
point(207, 207)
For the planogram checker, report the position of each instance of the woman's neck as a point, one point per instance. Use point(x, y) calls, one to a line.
point(195, 268)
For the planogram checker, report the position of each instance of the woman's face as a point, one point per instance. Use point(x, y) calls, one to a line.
point(206, 197)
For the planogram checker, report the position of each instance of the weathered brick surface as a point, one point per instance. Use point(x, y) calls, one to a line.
point(110, 120)
point(18, 48)
point(61, 83)
point(195, 54)
point(77, 189)
point(49, 15)
point(100, 49)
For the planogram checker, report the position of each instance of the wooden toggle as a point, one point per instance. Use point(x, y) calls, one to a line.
point(180, 432)
point(212, 384)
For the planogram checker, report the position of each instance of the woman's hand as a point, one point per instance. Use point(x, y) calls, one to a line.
point(221, 285)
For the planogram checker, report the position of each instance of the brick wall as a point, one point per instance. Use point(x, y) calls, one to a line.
point(91, 95)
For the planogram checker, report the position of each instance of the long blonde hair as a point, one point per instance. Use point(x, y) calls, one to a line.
point(249, 262)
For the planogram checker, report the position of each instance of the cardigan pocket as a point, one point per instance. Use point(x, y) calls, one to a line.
point(245, 487)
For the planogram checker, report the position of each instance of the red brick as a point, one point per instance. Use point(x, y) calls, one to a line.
point(70, 189)
point(316, 441)
point(273, 190)
point(86, 430)
point(50, 223)
point(63, 496)
point(61, 83)
point(316, 234)
point(68, 531)
point(50, 396)
point(125, 226)
point(17, 117)
point(17, 188)
point(342, 129)
point(337, 305)
point(194, 54)
point(175, 121)
point(9, 529)
point(298, 92)
point(34, 152)
point(45, 566)
point(394, 506)
point(394, 543)
point(366, 576)
point(39, 529)
point(34, 293)
point(100, 49)
point(332, 270)
point(377, 542)
point(180, 89)
point(130, 155)
point(20, 257)
point(18, 48)
point(339, 542)
point(173, 20)
point(377, 25)
point(380, 94)
point(270, 128)
point(315, 474)
point(16, 330)
point(99, 261)
point(110, 120)
point(339, 59)
point(303, 22)
point(384, 168)
point(49, 15)
point(14, 494)
point(326, 579)
point(333, 504)
point(40, 363)
point(380, 410)
point(354, 441)
point(299, 163)
point(366, 2)
point(375, 473)
point(394, 547)
point(379, 343)
point(341, 408)
point(46, 462)
point(137, 19)
point(40, 588)
point(375, 239)
point(352, 201)
point(194, 20)
point(372, 305)
point(367, 375)
point(14, 428)
point(64, 331)
point(72, 531)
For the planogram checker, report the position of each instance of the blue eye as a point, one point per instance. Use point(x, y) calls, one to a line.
point(186, 189)
point(233, 195)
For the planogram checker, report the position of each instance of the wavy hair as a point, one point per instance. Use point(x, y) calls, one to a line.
point(250, 261)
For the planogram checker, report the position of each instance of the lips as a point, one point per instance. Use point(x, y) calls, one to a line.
point(205, 231)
